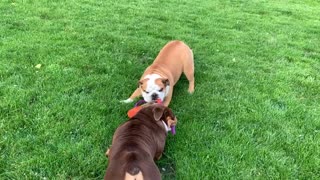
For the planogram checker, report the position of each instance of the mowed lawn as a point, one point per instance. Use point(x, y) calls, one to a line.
point(65, 65)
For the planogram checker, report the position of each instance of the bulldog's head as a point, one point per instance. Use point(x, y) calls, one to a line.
point(154, 87)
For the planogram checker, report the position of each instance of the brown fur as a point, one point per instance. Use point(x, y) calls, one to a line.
point(137, 143)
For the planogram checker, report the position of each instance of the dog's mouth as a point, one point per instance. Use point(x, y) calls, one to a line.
point(150, 96)
point(170, 124)
point(154, 96)
point(153, 99)
point(171, 121)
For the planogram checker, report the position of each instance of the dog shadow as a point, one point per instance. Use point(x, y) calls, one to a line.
point(167, 167)
point(167, 162)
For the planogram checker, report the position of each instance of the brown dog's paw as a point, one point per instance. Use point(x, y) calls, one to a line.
point(159, 157)
point(107, 152)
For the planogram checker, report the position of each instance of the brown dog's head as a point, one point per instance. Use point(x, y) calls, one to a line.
point(161, 114)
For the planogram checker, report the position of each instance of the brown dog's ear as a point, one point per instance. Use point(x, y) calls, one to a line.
point(165, 82)
point(158, 112)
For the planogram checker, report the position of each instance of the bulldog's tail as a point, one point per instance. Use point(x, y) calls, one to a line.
point(133, 171)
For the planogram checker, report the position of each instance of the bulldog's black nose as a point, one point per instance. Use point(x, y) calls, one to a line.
point(154, 96)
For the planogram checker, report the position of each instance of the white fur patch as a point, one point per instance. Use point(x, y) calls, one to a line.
point(167, 90)
point(153, 88)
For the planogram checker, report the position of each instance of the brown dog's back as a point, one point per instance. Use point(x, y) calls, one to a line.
point(138, 143)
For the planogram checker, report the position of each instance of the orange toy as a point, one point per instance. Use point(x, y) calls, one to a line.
point(139, 105)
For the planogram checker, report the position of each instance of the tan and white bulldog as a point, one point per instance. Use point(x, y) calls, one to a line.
point(159, 78)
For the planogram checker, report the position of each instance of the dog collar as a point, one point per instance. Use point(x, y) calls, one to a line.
point(172, 129)
point(166, 126)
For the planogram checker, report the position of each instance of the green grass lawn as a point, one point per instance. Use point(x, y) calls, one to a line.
point(255, 113)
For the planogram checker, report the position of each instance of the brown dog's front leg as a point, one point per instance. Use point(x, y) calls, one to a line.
point(107, 152)
point(159, 156)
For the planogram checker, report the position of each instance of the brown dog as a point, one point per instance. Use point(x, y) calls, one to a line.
point(159, 78)
point(137, 143)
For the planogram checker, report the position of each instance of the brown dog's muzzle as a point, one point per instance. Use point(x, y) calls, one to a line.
point(171, 122)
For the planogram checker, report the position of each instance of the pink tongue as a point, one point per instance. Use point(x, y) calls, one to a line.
point(173, 130)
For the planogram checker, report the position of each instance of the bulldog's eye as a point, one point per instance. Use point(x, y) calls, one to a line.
point(160, 90)
point(146, 91)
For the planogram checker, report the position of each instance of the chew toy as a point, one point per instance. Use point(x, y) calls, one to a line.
point(136, 108)
point(139, 105)
point(173, 130)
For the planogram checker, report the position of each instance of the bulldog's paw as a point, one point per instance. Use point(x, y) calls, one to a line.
point(127, 100)
point(191, 90)
point(191, 87)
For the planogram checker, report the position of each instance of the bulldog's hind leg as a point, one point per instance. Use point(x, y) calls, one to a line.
point(188, 70)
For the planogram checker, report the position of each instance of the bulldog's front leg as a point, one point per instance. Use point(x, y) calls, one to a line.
point(135, 94)
point(168, 98)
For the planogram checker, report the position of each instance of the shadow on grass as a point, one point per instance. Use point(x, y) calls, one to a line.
point(167, 167)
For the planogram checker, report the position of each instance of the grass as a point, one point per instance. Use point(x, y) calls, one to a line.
point(255, 112)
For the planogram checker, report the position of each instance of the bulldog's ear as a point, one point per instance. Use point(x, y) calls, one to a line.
point(165, 82)
point(158, 112)
point(141, 82)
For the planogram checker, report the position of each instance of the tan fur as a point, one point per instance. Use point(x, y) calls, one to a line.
point(138, 176)
point(107, 152)
point(159, 82)
point(174, 59)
